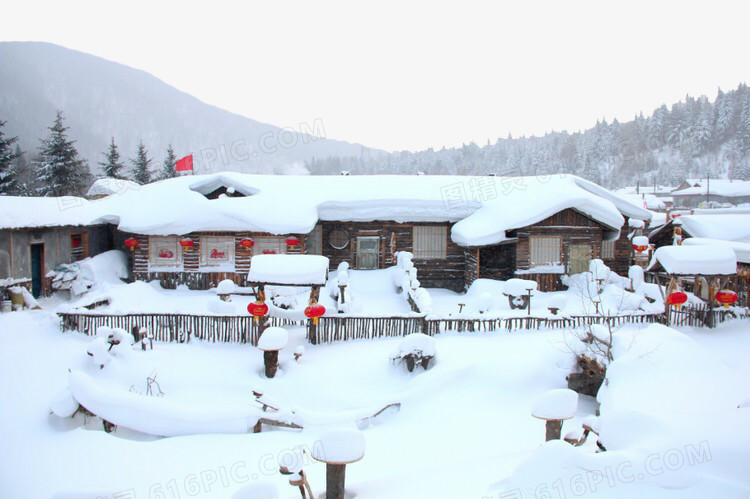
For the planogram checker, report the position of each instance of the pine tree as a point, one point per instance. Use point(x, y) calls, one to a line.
point(113, 167)
point(59, 169)
point(7, 157)
point(168, 168)
point(25, 177)
point(141, 164)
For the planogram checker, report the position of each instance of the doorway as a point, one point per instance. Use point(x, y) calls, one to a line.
point(37, 269)
point(579, 256)
point(368, 252)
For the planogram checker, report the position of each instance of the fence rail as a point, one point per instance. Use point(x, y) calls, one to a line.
point(703, 316)
point(242, 329)
point(175, 327)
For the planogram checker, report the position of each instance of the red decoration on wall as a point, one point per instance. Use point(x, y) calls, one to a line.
point(166, 254)
point(640, 248)
point(247, 243)
point(131, 243)
point(217, 254)
point(187, 243)
point(292, 241)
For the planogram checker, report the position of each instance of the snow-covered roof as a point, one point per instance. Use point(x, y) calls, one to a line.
point(741, 249)
point(719, 187)
point(695, 260)
point(484, 207)
point(647, 201)
point(731, 227)
point(288, 269)
point(107, 186)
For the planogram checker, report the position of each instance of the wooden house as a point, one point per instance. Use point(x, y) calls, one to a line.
point(200, 230)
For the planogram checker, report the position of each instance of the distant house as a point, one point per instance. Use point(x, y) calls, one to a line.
point(696, 193)
point(38, 234)
point(199, 230)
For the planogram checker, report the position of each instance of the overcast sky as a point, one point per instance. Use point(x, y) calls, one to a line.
point(396, 76)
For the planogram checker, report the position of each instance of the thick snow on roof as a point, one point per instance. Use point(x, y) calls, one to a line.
point(288, 269)
point(741, 250)
point(486, 207)
point(108, 186)
point(719, 187)
point(731, 227)
point(647, 201)
point(692, 260)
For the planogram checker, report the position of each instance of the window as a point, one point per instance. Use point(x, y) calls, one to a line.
point(164, 252)
point(269, 246)
point(79, 246)
point(608, 250)
point(544, 250)
point(217, 253)
point(339, 239)
point(430, 241)
point(314, 242)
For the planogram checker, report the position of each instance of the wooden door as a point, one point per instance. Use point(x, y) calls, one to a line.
point(579, 256)
point(368, 252)
point(37, 269)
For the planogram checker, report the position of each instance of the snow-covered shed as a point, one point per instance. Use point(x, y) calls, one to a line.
point(692, 192)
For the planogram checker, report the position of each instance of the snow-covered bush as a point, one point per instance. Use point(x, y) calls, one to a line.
point(98, 349)
point(415, 348)
point(226, 287)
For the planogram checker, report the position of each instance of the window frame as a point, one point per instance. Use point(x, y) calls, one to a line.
point(609, 253)
point(159, 264)
point(78, 254)
point(227, 243)
point(535, 240)
point(435, 249)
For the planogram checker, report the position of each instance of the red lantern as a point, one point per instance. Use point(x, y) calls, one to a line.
point(247, 243)
point(292, 241)
point(314, 311)
point(676, 299)
point(640, 248)
point(187, 243)
point(726, 297)
point(131, 243)
point(257, 309)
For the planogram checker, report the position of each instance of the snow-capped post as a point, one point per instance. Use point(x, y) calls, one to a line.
point(259, 309)
point(224, 289)
point(554, 407)
point(338, 448)
point(271, 341)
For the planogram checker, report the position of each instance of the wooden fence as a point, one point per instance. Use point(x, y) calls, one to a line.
point(175, 327)
point(703, 316)
point(242, 329)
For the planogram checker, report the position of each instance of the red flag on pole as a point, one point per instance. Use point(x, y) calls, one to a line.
point(185, 164)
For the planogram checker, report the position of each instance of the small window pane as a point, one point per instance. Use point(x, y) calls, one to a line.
point(544, 251)
point(608, 250)
point(430, 241)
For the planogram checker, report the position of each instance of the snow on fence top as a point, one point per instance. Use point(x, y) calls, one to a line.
point(731, 227)
point(484, 207)
point(695, 260)
point(302, 270)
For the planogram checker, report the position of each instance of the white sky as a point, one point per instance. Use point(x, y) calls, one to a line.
point(396, 76)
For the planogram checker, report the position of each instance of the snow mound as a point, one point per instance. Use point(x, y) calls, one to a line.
point(556, 404)
point(519, 287)
point(257, 490)
point(288, 269)
point(64, 405)
point(341, 446)
point(100, 271)
point(156, 415)
point(273, 338)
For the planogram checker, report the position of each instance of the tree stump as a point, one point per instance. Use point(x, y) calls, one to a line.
point(554, 429)
point(335, 480)
point(409, 362)
point(271, 362)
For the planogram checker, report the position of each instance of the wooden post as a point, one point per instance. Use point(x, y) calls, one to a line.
point(335, 480)
point(271, 362)
point(554, 429)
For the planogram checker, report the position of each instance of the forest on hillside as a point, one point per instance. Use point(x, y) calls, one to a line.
point(693, 138)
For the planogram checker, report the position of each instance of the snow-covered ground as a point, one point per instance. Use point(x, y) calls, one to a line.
point(670, 416)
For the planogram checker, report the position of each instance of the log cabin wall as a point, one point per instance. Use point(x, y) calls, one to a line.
point(573, 228)
point(623, 253)
point(497, 262)
point(445, 272)
point(191, 273)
